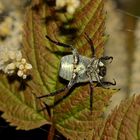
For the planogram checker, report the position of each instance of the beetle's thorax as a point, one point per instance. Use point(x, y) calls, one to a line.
point(93, 66)
point(97, 68)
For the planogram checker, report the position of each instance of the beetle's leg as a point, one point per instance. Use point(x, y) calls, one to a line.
point(91, 91)
point(68, 87)
point(91, 96)
point(74, 51)
point(53, 93)
point(58, 43)
point(91, 44)
point(110, 83)
point(107, 58)
point(71, 83)
point(99, 80)
point(103, 83)
point(91, 63)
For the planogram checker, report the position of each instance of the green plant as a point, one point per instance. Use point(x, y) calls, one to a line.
point(72, 116)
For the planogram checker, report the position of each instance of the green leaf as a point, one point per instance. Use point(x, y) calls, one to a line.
point(71, 116)
point(124, 122)
point(19, 108)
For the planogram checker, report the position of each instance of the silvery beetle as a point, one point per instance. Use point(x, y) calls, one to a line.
point(77, 68)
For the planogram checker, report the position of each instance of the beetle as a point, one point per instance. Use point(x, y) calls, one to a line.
point(77, 68)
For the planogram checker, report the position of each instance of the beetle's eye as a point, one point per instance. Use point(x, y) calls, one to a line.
point(102, 71)
point(101, 64)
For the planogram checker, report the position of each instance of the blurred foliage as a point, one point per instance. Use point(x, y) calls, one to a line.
point(130, 6)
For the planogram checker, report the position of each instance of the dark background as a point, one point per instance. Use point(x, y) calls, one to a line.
point(8, 132)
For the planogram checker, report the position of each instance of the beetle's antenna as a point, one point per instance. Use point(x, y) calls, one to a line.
point(59, 43)
point(107, 58)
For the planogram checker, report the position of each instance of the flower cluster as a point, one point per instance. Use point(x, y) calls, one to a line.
point(71, 5)
point(12, 61)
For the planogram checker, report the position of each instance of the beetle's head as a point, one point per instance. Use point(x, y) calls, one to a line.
point(101, 69)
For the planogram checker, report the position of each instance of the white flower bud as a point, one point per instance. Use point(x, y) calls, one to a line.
point(24, 76)
point(28, 66)
point(71, 5)
point(23, 61)
point(10, 72)
point(10, 67)
point(21, 67)
point(70, 9)
point(60, 3)
point(20, 73)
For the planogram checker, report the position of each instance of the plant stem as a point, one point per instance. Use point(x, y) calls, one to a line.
point(51, 133)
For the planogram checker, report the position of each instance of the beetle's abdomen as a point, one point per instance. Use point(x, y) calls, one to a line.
point(66, 68)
